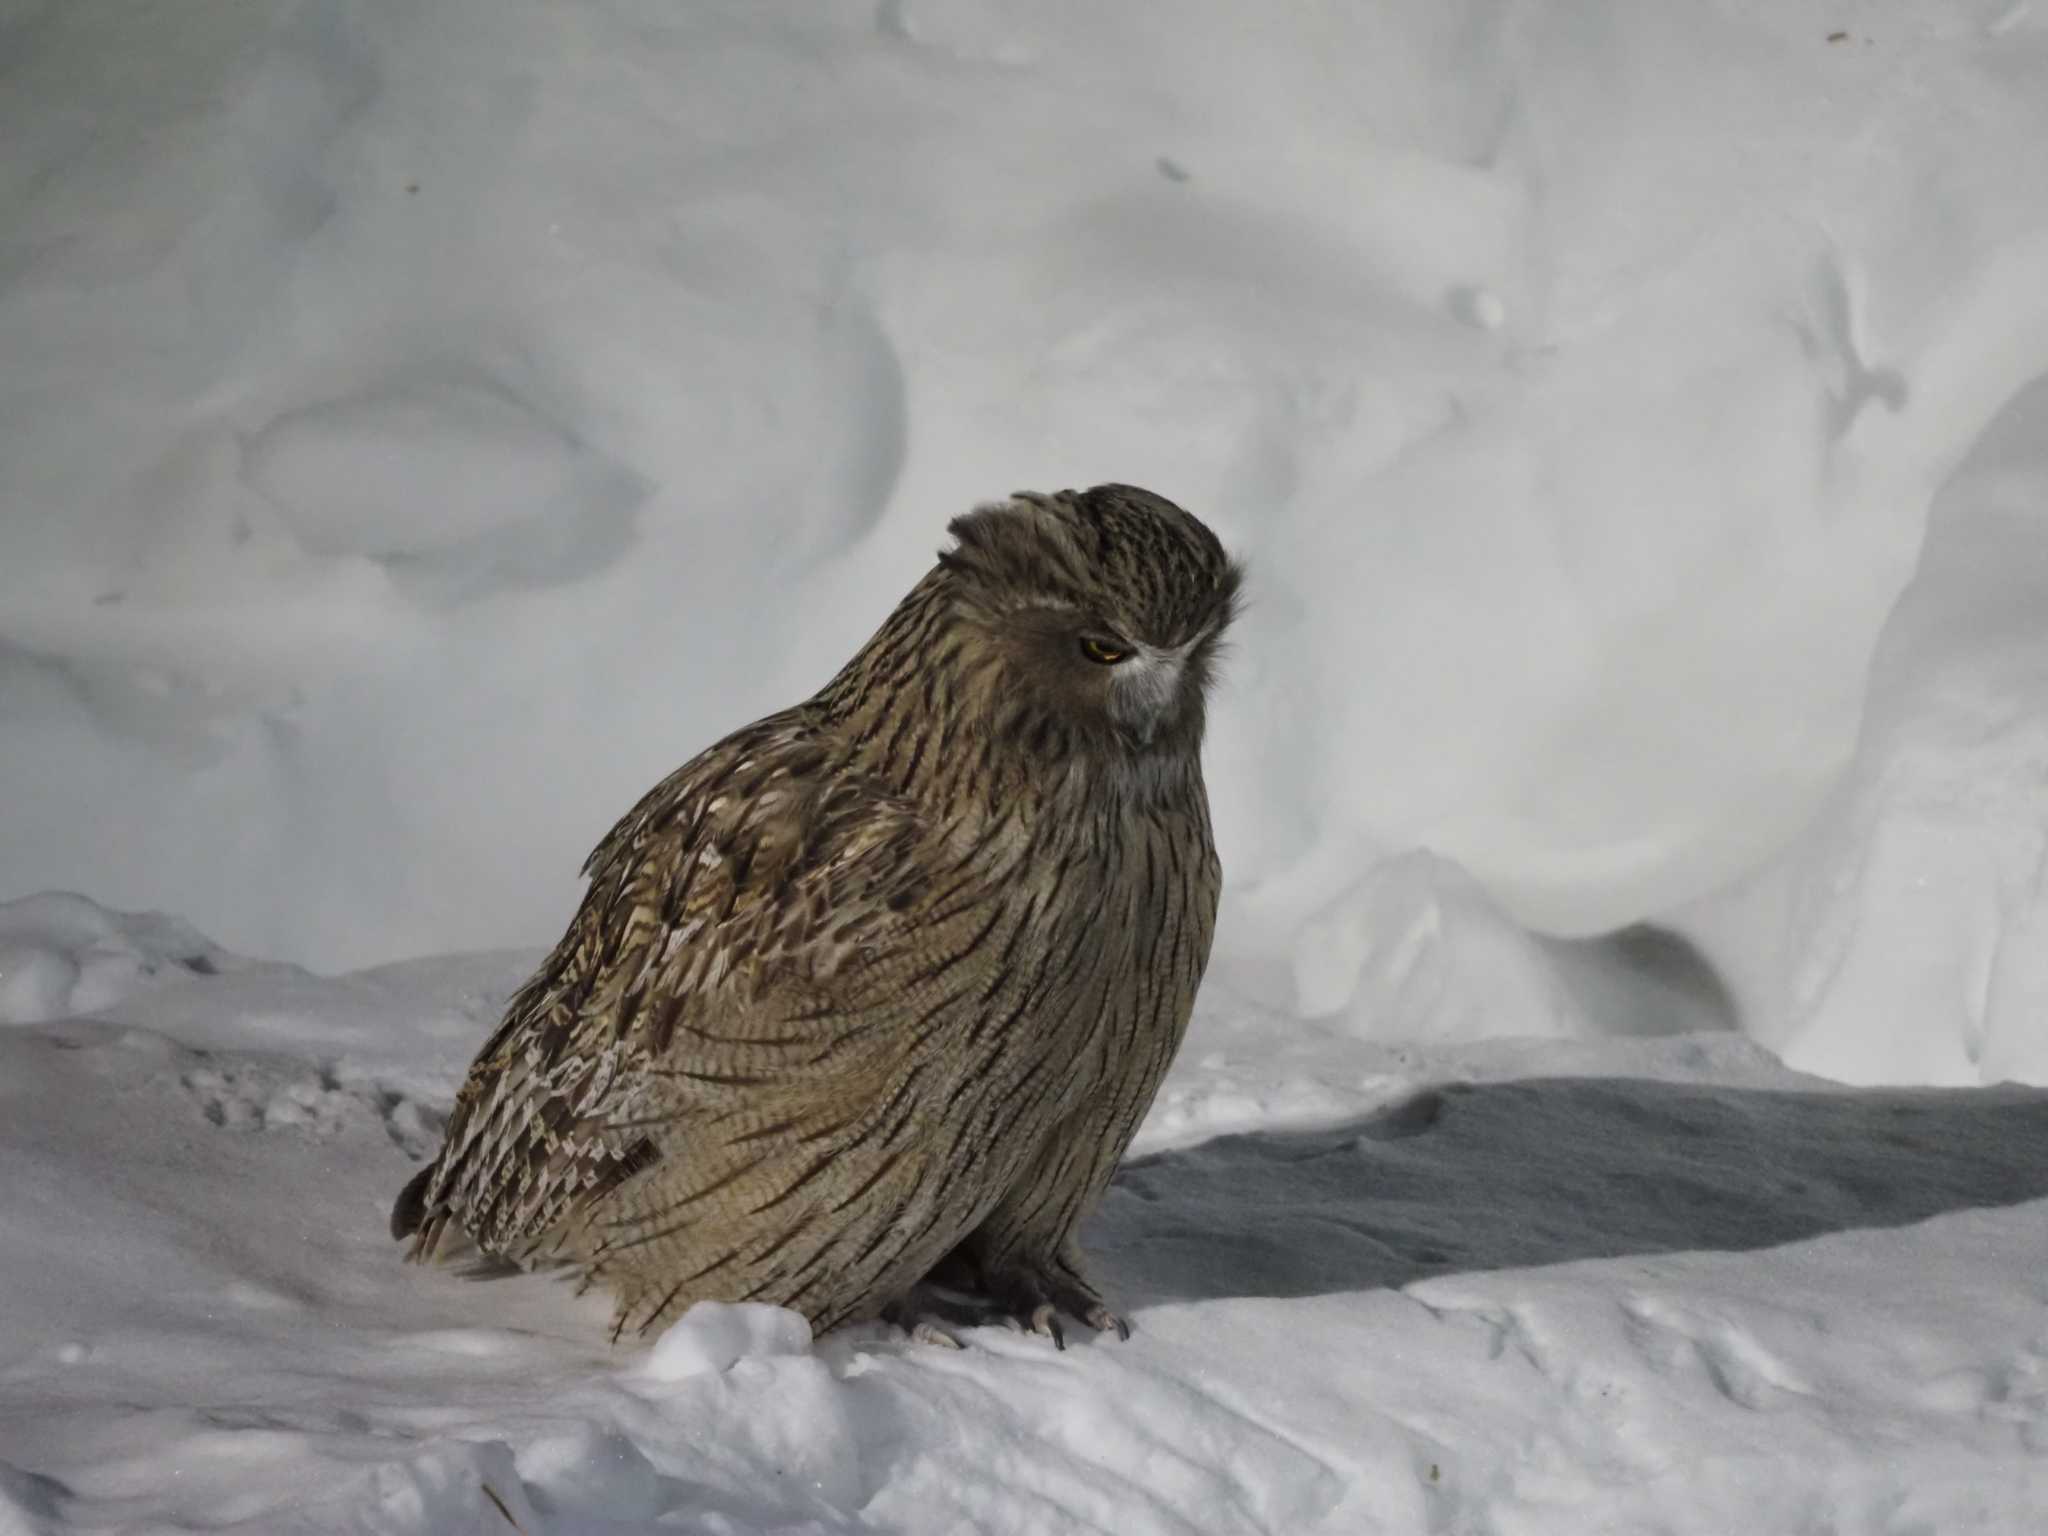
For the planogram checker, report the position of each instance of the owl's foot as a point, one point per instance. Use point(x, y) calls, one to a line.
point(930, 1317)
point(1029, 1297)
point(1025, 1297)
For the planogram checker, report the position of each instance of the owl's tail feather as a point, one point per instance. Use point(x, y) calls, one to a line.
point(437, 1240)
point(411, 1218)
point(409, 1212)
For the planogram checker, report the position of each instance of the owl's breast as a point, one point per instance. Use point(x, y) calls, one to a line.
point(1106, 943)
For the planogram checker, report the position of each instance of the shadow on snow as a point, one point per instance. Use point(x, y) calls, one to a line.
point(1543, 1171)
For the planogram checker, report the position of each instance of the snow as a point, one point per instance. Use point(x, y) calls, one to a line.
point(718, 1335)
point(1516, 1285)
point(61, 955)
point(423, 426)
point(1912, 917)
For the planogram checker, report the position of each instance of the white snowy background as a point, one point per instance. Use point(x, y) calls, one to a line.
point(425, 423)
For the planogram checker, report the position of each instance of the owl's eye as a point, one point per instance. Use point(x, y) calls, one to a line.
point(1102, 651)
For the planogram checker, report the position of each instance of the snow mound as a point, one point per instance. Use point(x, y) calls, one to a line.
point(1921, 910)
point(61, 954)
point(713, 1335)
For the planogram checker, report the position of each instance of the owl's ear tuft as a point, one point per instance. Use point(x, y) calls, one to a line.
point(975, 540)
point(1016, 551)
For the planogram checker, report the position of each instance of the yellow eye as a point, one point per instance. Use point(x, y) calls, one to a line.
point(1102, 651)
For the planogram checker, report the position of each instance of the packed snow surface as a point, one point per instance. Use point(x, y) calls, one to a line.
point(1518, 1286)
point(423, 425)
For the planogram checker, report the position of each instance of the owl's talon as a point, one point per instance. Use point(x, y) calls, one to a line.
point(1030, 1298)
point(925, 1331)
point(1045, 1319)
point(1102, 1320)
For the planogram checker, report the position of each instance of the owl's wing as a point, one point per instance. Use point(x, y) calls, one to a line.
point(745, 915)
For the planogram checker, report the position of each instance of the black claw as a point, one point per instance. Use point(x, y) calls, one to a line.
point(1123, 1330)
point(1059, 1337)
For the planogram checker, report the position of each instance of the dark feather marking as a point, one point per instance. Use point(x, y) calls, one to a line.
point(859, 1192)
point(711, 1079)
point(972, 946)
point(810, 1171)
point(637, 1158)
point(883, 1232)
point(785, 1282)
point(730, 1178)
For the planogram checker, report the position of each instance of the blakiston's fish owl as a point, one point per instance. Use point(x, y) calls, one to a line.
point(877, 989)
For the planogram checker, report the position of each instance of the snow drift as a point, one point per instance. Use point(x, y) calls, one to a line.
point(426, 424)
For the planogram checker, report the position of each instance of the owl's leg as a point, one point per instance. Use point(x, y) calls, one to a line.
point(1025, 1257)
point(948, 1297)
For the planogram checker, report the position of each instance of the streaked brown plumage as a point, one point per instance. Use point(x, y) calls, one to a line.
point(883, 982)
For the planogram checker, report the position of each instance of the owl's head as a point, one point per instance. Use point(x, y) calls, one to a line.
point(1102, 612)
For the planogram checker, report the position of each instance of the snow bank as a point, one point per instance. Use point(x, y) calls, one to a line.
point(1905, 937)
point(440, 420)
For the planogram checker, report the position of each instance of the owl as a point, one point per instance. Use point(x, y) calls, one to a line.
point(864, 1003)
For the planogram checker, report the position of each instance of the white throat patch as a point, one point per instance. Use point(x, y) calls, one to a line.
point(1146, 689)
